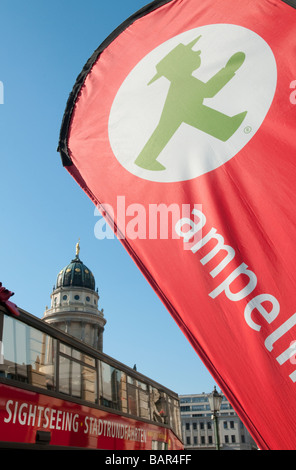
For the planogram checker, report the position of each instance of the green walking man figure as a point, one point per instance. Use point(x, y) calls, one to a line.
point(184, 102)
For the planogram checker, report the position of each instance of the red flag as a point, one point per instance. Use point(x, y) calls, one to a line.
point(186, 114)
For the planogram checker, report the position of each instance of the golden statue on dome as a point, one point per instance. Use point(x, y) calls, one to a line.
point(78, 248)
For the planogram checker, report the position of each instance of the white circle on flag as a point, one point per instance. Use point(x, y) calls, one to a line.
point(142, 110)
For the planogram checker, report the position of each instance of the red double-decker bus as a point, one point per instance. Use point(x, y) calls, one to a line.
point(58, 392)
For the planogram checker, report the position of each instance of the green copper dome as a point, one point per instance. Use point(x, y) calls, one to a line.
point(76, 274)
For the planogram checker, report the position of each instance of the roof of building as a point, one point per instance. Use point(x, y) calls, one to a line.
point(76, 274)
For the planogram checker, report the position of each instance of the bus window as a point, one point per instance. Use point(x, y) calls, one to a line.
point(112, 387)
point(132, 396)
point(65, 375)
point(76, 378)
point(138, 398)
point(177, 416)
point(89, 384)
point(42, 358)
point(174, 415)
point(78, 355)
point(158, 405)
point(28, 355)
point(144, 411)
point(76, 386)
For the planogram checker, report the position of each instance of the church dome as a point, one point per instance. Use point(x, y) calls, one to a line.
point(76, 274)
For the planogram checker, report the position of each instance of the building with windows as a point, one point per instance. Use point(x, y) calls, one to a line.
point(58, 362)
point(74, 304)
point(198, 429)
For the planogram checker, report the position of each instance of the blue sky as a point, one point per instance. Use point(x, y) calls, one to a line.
point(43, 47)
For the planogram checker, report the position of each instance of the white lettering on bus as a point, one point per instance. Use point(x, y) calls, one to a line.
point(114, 429)
point(27, 414)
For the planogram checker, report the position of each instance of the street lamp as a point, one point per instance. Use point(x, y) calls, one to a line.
point(215, 400)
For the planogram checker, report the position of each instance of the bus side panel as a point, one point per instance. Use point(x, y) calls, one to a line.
point(23, 413)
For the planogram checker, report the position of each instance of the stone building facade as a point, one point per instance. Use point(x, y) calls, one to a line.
point(74, 304)
point(198, 427)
